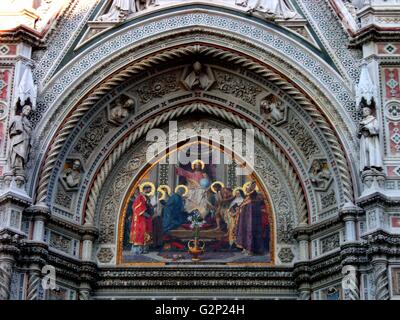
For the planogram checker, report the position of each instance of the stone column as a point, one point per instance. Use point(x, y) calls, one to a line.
point(87, 248)
point(37, 248)
point(88, 271)
point(381, 278)
point(34, 280)
point(40, 214)
point(304, 254)
point(9, 243)
point(301, 270)
point(349, 252)
point(12, 204)
point(6, 267)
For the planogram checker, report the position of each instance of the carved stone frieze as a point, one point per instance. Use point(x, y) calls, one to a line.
point(158, 87)
point(92, 136)
point(238, 87)
point(302, 137)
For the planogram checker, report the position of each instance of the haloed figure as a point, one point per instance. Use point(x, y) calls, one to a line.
point(252, 224)
point(142, 227)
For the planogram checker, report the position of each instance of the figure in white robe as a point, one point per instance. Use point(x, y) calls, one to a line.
point(120, 9)
point(274, 9)
point(20, 133)
point(370, 151)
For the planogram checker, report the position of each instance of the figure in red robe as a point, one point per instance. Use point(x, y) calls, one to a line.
point(252, 234)
point(142, 226)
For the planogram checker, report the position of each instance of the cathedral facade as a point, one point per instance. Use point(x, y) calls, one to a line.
point(89, 209)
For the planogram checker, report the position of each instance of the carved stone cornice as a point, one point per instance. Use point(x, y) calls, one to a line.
point(88, 272)
point(66, 268)
point(325, 267)
point(10, 241)
point(78, 229)
point(38, 211)
point(302, 272)
point(307, 230)
point(374, 33)
point(16, 198)
point(204, 277)
point(377, 198)
point(354, 253)
point(382, 244)
point(33, 253)
point(22, 34)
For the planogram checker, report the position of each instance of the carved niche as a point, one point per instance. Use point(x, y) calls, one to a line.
point(320, 175)
point(273, 110)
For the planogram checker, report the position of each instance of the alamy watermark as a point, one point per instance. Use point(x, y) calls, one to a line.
point(49, 277)
point(237, 146)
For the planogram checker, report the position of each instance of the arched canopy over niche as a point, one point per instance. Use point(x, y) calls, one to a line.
point(197, 188)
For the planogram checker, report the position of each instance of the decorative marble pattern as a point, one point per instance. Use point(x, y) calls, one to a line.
point(123, 40)
point(392, 83)
point(330, 30)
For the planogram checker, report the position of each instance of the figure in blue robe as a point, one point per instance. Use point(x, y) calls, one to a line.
point(174, 214)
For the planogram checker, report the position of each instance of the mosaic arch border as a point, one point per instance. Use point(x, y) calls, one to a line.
point(265, 37)
point(96, 94)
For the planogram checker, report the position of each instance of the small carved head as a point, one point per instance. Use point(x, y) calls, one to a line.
point(19, 181)
point(129, 104)
point(197, 67)
point(26, 110)
point(368, 180)
point(76, 164)
point(366, 111)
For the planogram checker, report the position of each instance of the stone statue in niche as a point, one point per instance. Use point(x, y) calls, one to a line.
point(370, 151)
point(118, 113)
point(272, 9)
point(320, 174)
point(71, 176)
point(272, 109)
point(198, 77)
point(121, 9)
point(20, 136)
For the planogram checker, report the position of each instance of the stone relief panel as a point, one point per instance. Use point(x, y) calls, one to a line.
point(157, 87)
point(120, 110)
point(115, 192)
point(198, 76)
point(329, 243)
point(286, 255)
point(303, 139)
point(63, 198)
point(92, 136)
point(105, 255)
point(320, 175)
point(72, 174)
point(238, 87)
point(273, 110)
